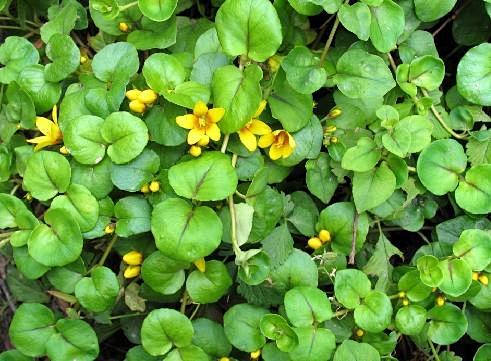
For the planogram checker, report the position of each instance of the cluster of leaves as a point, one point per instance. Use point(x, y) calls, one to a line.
point(194, 244)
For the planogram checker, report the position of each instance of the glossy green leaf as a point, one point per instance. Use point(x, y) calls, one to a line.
point(474, 247)
point(82, 137)
point(357, 19)
point(98, 292)
point(355, 351)
point(362, 157)
point(163, 274)
point(415, 289)
point(159, 10)
point(211, 285)
point(242, 327)
point(16, 53)
point(133, 175)
point(473, 80)
point(374, 314)
point(303, 70)
point(429, 272)
point(314, 344)
point(386, 26)
point(374, 187)
point(351, 287)
point(306, 306)
point(133, 216)
point(163, 72)
point(275, 327)
point(410, 320)
point(427, 72)
point(65, 57)
point(457, 277)
point(44, 94)
point(448, 324)
point(474, 192)
point(115, 61)
point(210, 336)
point(432, 11)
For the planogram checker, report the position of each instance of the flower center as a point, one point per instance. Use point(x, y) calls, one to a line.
point(202, 122)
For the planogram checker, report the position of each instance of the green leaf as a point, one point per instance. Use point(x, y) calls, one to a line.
point(66, 278)
point(23, 289)
point(239, 93)
point(205, 66)
point(457, 277)
point(429, 271)
point(80, 204)
point(474, 247)
point(483, 353)
point(164, 328)
point(96, 178)
point(303, 70)
point(307, 306)
point(65, 57)
point(159, 10)
point(59, 244)
point(355, 351)
point(127, 134)
point(373, 188)
point(31, 327)
point(44, 94)
point(241, 323)
point(473, 75)
point(163, 72)
point(160, 35)
point(133, 175)
point(98, 292)
point(16, 53)
point(27, 265)
point(440, 164)
point(244, 216)
point(20, 107)
point(14, 355)
point(350, 287)
point(211, 285)
point(418, 44)
point(210, 336)
point(357, 19)
point(386, 26)
point(210, 177)
point(163, 274)
point(108, 8)
point(478, 148)
point(187, 353)
point(397, 141)
point(321, 182)
point(278, 245)
point(410, 320)
point(241, 25)
point(116, 61)
point(427, 72)
point(362, 157)
point(432, 11)
point(163, 127)
point(11, 209)
point(374, 313)
point(479, 321)
point(178, 229)
point(82, 137)
point(360, 73)
point(411, 284)
point(314, 344)
point(419, 128)
point(305, 213)
point(474, 192)
point(133, 216)
point(188, 94)
point(74, 339)
point(298, 270)
point(448, 324)
point(275, 327)
point(61, 23)
point(339, 219)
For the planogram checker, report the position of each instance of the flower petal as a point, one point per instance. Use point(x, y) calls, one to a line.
point(248, 139)
point(266, 140)
point(260, 108)
point(195, 135)
point(286, 151)
point(186, 121)
point(44, 125)
point(275, 152)
point(41, 142)
point(291, 141)
point(215, 115)
point(258, 127)
point(54, 114)
point(213, 132)
point(200, 109)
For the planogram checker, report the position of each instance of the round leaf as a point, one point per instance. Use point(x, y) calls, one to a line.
point(429, 272)
point(374, 313)
point(133, 175)
point(473, 80)
point(355, 351)
point(16, 53)
point(372, 188)
point(362, 157)
point(276, 328)
point(116, 61)
point(82, 137)
point(303, 70)
point(306, 306)
point(427, 72)
point(314, 344)
point(386, 26)
point(350, 287)
point(210, 336)
point(159, 10)
point(163, 72)
point(64, 55)
point(474, 193)
point(432, 11)
point(411, 320)
point(163, 274)
point(474, 247)
point(211, 285)
point(98, 292)
point(448, 324)
point(357, 19)
point(241, 323)
point(457, 276)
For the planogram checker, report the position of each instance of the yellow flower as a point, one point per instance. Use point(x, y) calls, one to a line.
point(405, 302)
point(281, 142)
point(148, 97)
point(475, 276)
point(154, 186)
point(145, 188)
point(314, 243)
point(255, 355)
point(440, 301)
point(64, 150)
point(131, 271)
point(484, 280)
point(200, 264)
point(83, 59)
point(201, 123)
point(137, 106)
point(133, 258)
point(50, 129)
point(109, 229)
point(254, 127)
point(324, 236)
point(133, 94)
point(123, 27)
point(359, 332)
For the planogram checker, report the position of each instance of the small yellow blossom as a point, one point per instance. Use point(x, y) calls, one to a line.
point(50, 129)
point(255, 355)
point(133, 258)
point(28, 197)
point(123, 27)
point(484, 279)
point(401, 294)
point(440, 301)
point(254, 127)
point(64, 150)
point(330, 129)
point(334, 113)
point(131, 271)
point(202, 123)
point(200, 264)
point(148, 97)
point(137, 106)
point(109, 229)
point(281, 144)
point(475, 276)
point(133, 94)
point(195, 151)
point(274, 63)
point(324, 236)
point(224, 359)
point(333, 140)
point(405, 302)
point(154, 186)
point(360, 332)
point(314, 243)
point(83, 59)
point(145, 188)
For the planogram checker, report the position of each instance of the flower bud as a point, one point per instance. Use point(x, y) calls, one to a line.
point(83, 59)
point(64, 150)
point(484, 280)
point(137, 106)
point(314, 243)
point(324, 236)
point(224, 359)
point(109, 229)
point(133, 94)
point(204, 141)
point(123, 27)
point(330, 129)
point(334, 140)
point(274, 63)
point(401, 294)
point(145, 188)
point(334, 113)
point(133, 258)
point(195, 151)
point(200, 264)
point(148, 97)
point(405, 302)
point(440, 301)
point(255, 355)
point(131, 271)
point(475, 276)
point(360, 332)
point(154, 186)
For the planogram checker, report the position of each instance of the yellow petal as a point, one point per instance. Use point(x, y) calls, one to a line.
point(42, 142)
point(44, 125)
point(291, 141)
point(260, 109)
point(186, 121)
point(286, 151)
point(200, 264)
point(200, 109)
point(54, 114)
point(213, 132)
point(131, 271)
point(266, 140)
point(248, 139)
point(215, 115)
point(258, 127)
point(40, 139)
point(55, 133)
point(195, 135)
point(133, 258)
point(275, 152)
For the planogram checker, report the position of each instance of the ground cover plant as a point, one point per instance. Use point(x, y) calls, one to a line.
point(287, 180)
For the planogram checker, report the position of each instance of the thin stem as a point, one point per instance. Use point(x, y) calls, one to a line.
point(435, 354)
point(223, 149)
point(442, 121)
point(329, 41)
point(6, 18)
point(127, 6)
point(392, 62)
point(6, 234)
point(353, 239)
point(411, 169)
point(4, 242)
point(12, 192)
point(195, 311)
point(240, 195)
point(128, 315)
point(451, 18)
point(341, 313)
point(107, 250)
point(323, 28)
point(184, 302)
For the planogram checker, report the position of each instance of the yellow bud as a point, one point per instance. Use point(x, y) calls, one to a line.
point(224, 359)
point(434, 289)
point(83, 59)
point(200, 264)
point(401, 294)
point(133, 94)
point(148, 97)
point(330, 129)
point(154, 186)
point(274, 63)
point(334, 140)
point(64, 150)
point(360, 332)
point(123, 27)
point(484, 280)
point(324, 236)
point(475, 276)
point(28, 197)
point(314, 243)
point(255, 355)
point(137, 106)
point(131, 271)
point(109, 229)
point(195, 151)
point(334, 113)
point(405, 302)
point(145, 188)
point(440, 301)
point(133, 258)
point(203, 142)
